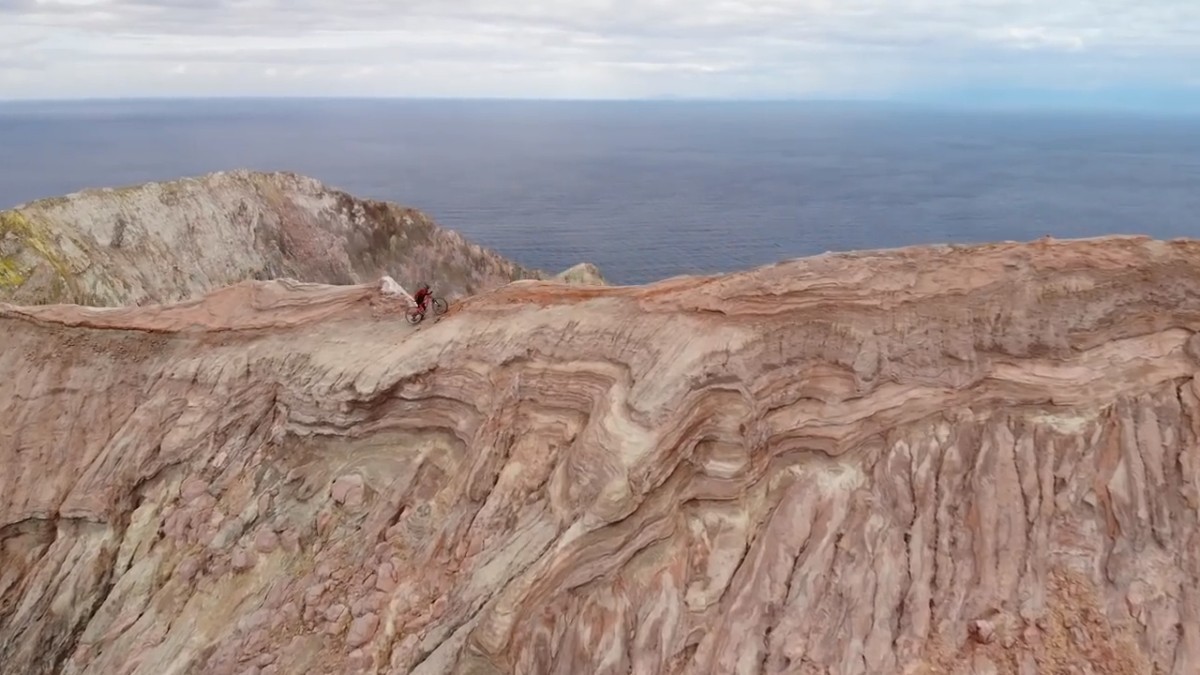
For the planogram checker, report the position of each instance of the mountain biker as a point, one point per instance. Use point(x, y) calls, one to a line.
point(422, 295)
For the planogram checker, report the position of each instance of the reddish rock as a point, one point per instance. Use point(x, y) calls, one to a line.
point(325, 570)
point(362, 630)
point(290, 541)
point(191, 488)
point(335, 612)
point(348, 490)
point(218, 566)
point(241, 559)
point(983, 631)
point(189, 567)
point(938, 459)
point(358, 660)
point(266, 541)
point(385, 579)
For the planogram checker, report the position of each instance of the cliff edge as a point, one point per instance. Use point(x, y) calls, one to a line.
point(164, 242)
point(929, 460)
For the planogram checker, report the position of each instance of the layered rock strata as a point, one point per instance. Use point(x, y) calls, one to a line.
point(930, 460)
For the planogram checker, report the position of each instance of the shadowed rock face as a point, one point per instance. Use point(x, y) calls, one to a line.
point(163, 242)
point(934, 460)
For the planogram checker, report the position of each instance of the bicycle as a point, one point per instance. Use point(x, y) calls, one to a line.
point(416, 314)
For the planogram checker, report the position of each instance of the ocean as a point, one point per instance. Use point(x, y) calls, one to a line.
point(648, 190)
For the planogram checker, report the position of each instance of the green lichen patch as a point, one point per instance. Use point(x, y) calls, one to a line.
point(11, 275)
point(14, 225)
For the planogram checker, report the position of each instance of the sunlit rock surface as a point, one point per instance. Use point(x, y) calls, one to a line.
point(175, 240)
point(931, 460)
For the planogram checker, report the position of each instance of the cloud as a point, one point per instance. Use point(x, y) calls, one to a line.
point(602, 48)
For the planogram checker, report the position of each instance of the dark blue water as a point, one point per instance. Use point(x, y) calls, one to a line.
point(650, 190)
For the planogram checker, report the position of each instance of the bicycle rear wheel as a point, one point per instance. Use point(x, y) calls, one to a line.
point(414, 315)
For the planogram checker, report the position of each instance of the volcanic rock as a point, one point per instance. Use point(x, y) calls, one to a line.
point(928, 460)
point(176, 240)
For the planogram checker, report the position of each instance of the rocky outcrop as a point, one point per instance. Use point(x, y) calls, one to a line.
point(163, 242)
point(585, 274)
point(932, 460)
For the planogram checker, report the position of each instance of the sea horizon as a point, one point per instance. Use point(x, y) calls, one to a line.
point(1050, 103)
point(654, 187)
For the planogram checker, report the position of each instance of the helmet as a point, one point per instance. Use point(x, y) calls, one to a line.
point(423, 286)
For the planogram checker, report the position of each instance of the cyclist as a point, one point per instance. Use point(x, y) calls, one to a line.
point(423, 295)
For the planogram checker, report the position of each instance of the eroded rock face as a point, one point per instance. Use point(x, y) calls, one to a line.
point(164, 242)
point(937, 460)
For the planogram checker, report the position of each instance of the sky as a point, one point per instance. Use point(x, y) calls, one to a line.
point(779, 49)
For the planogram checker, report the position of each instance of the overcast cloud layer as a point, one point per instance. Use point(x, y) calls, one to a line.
point(592, 48)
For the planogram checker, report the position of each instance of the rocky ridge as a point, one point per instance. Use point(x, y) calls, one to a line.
point(170, 241)
point(929, 460)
